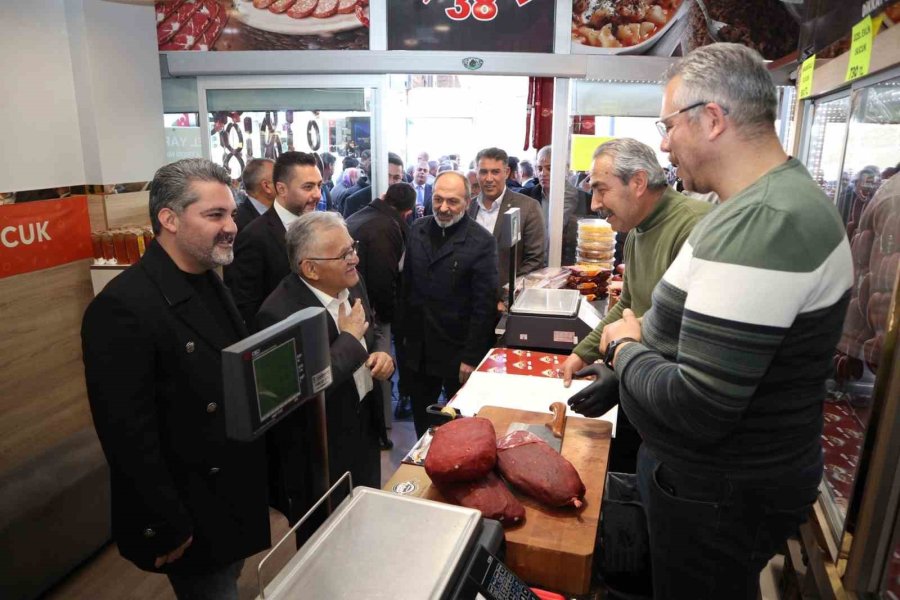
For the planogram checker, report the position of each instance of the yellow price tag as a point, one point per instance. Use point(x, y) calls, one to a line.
point(583, 147)
point(804, 84)
point(860, 49)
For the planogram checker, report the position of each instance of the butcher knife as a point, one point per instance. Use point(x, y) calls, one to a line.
point(551, 431)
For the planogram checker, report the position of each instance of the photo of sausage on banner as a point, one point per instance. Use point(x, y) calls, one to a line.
point(201, 25)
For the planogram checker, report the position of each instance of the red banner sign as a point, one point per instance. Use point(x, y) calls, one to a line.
point(43, 234)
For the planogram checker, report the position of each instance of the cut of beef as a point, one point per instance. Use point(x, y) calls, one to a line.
point(462, 450)
point(489, 495)
point(534, 468)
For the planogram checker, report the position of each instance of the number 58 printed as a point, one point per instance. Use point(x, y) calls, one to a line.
point(482, 10)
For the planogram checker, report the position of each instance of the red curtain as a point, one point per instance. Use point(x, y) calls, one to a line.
point(539, 116)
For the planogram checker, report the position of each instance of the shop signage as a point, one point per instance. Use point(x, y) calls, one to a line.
point(583, 147)
point(471, 25)
point(804, 85)
point(861, 47)
point(42, 234)
point(199, 25)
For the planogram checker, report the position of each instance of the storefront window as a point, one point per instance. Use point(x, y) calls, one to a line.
point(248, 124)
point(871, 213)
point(826, 143)
point(182, 136)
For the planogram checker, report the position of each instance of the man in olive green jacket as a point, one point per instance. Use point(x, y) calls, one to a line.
point(629, 189)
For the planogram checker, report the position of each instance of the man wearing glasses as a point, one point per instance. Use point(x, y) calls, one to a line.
point(323, 274)
point(724, 376)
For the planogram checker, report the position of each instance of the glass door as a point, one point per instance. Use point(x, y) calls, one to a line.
point(248, 117)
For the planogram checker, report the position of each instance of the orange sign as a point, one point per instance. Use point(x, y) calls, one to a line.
point(42, 234)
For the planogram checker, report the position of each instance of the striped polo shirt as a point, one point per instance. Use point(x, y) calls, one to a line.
point(729, 375)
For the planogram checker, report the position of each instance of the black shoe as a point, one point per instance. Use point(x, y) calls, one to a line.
point(385, 443)
point(404, 408)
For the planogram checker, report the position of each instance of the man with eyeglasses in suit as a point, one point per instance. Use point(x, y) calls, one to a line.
point(323, 274)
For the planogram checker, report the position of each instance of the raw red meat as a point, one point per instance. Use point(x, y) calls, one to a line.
point(534, 468)
point(262, 3)
point(462, 450)
point(489, 495)
point(325, 9)
point(302, 9)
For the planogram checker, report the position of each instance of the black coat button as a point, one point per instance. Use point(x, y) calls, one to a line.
point(214, 470)
point(212, 407)
point(149, 533)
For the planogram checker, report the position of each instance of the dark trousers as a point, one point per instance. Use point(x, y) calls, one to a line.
point(220, 584)
point(711, 537)
point(424, 390)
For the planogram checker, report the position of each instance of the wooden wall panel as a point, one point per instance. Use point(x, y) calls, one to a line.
point(42, 392)
point(97, 212)
point(131, 208)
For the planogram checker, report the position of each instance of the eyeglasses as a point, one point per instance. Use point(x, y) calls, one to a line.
point(346, 256)
point(663, 129)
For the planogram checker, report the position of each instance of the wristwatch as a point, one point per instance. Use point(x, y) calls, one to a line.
point(611, 350)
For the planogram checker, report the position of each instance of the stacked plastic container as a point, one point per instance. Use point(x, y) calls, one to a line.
point(596, 243)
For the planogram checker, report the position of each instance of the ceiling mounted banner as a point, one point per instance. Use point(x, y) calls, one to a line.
point(198, 25)
point(471, 25)
point(675, 27)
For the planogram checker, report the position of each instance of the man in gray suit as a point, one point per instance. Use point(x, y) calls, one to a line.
point(494, 200)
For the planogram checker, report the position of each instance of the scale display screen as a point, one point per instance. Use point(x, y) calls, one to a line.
point(276, 377)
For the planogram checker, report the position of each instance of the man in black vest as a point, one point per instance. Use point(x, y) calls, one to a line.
point(186, 501)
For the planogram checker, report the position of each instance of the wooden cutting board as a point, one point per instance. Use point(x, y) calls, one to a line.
point(553, 548)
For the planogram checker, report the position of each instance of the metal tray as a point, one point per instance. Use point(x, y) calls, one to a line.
point(556, 303)
point(381, 545)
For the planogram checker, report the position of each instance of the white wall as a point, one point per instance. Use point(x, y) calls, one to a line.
point(121, 90)
point(41, 142)
point(81, 97)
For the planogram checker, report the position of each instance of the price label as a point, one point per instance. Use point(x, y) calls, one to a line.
point(860, 49)
point(804, 85)
point(481, 10)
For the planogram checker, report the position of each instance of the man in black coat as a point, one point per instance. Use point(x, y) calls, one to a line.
point(449, 296)
point(381, 229)
point(356, 200)
point(186, 501)
point(260, 191)
point(260, 256)
point(323, 264)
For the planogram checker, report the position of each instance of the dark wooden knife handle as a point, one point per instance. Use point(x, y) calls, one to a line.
point(558, 423)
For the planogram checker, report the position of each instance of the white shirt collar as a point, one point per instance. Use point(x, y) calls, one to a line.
point(495, 205)
point(325, 298)
point(286, 216)
point(259, 206)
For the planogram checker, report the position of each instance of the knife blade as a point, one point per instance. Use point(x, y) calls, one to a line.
point(550, 432)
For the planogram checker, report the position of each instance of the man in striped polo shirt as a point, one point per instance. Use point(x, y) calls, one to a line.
point(724, 376)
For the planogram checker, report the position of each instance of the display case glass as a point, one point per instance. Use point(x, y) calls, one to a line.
point(853, 153)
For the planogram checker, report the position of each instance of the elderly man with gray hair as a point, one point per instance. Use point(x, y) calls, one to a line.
point(725, 374)
point(323, 274)
point(629, 190)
